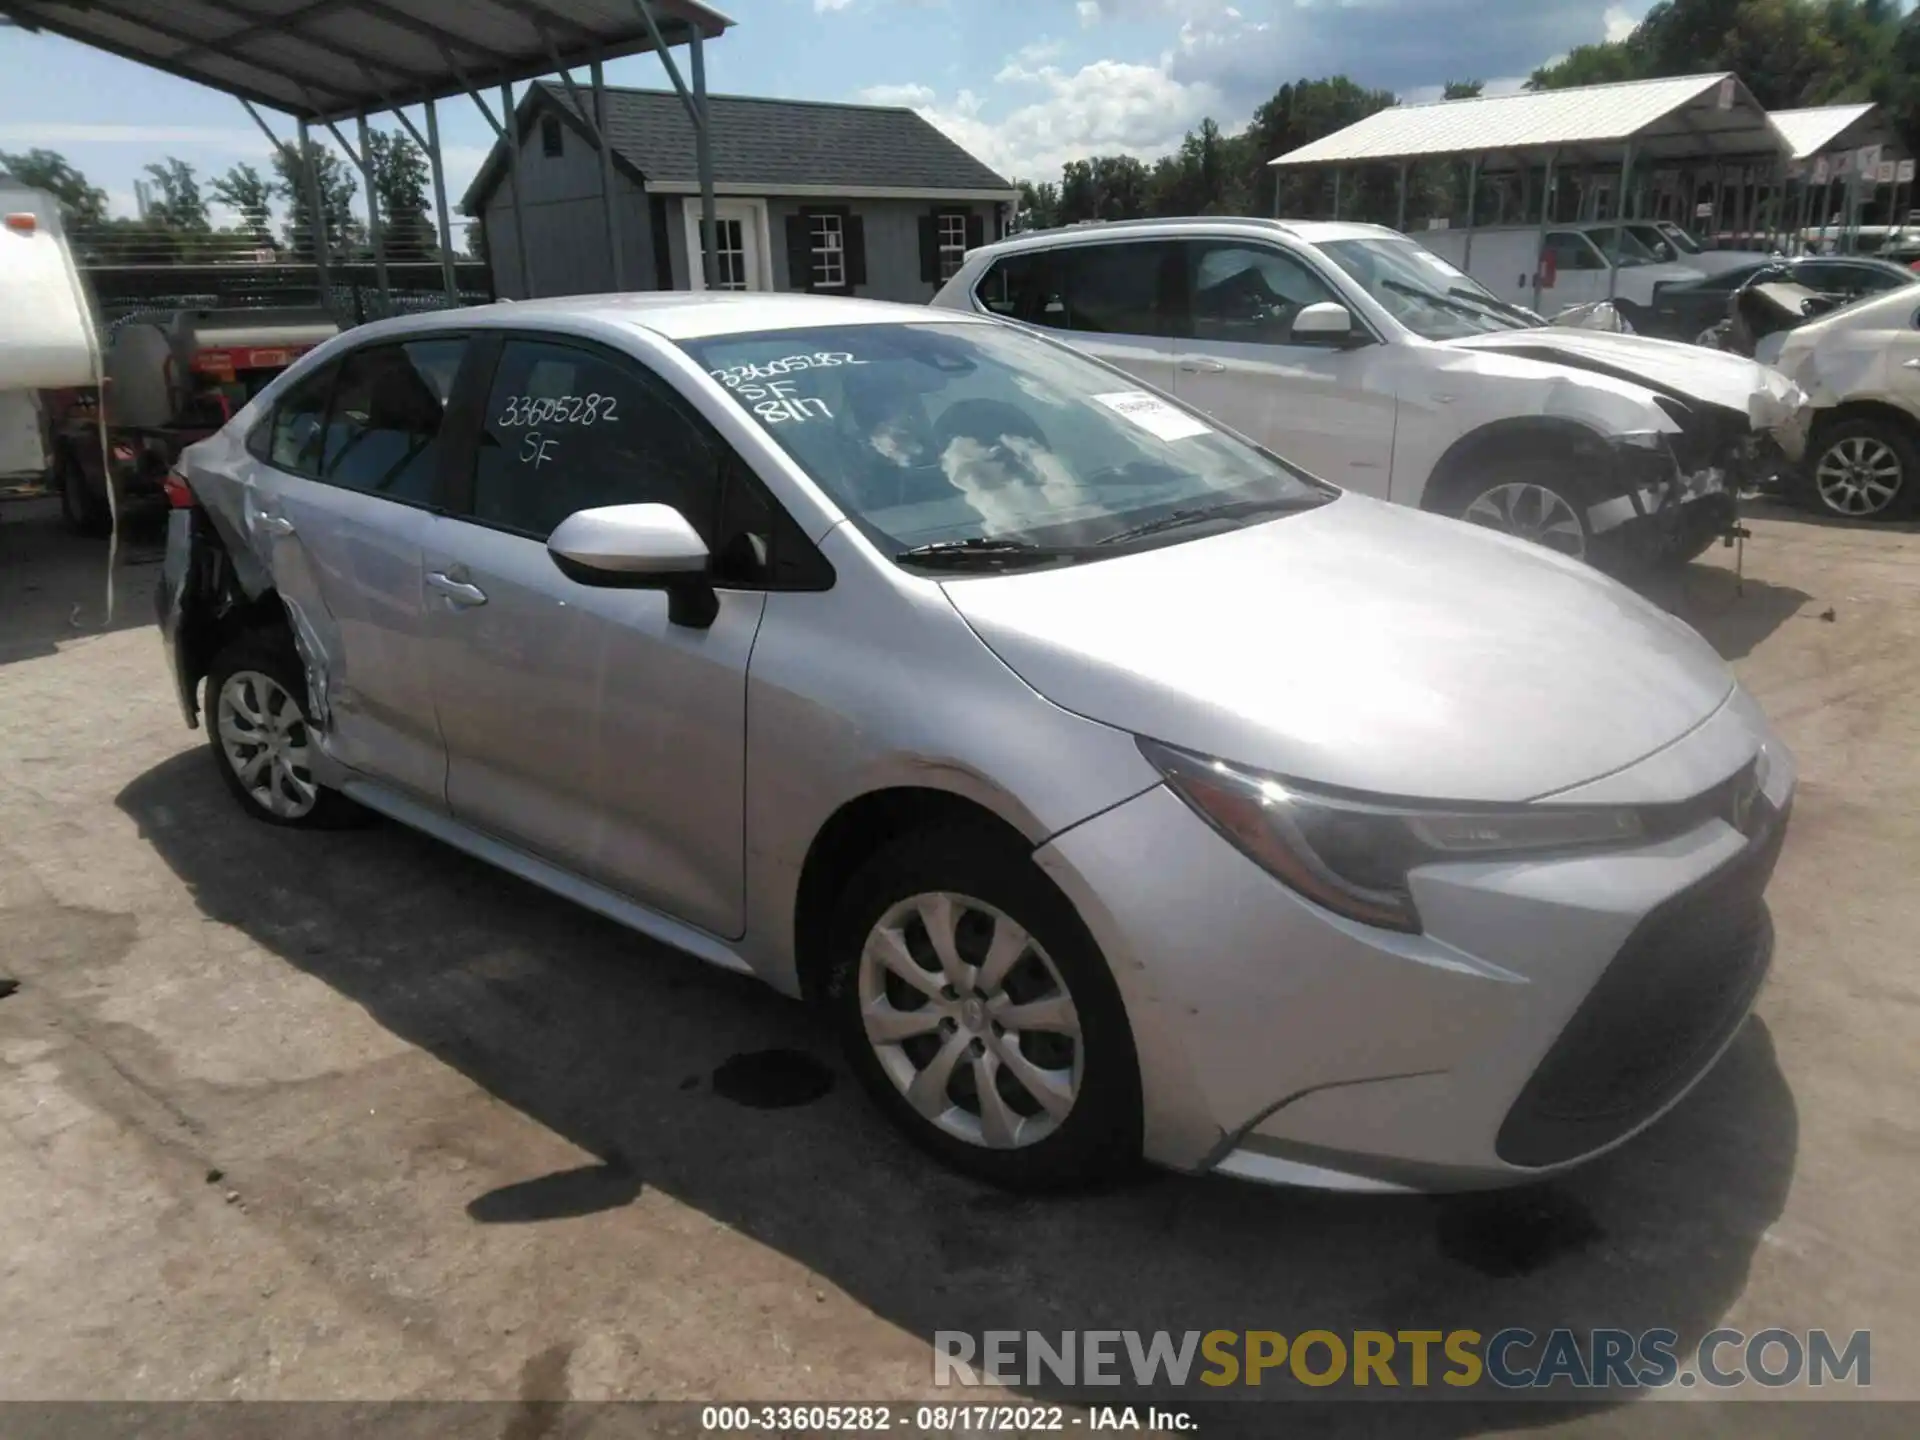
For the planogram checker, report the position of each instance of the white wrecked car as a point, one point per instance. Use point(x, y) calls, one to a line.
point(1366, 359)
point(1860, 367)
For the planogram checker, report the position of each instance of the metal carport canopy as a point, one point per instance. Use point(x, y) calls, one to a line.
point(323, 60)
point(1691, 117)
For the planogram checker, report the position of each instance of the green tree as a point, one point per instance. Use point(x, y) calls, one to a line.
point(1106, 187)
point(401, 178)
point(337, 189)
point(82, 205)
point(1039, 205)
point(177, 203)
point(246, 190)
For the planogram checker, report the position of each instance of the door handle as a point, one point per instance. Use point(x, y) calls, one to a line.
point(1195, 366)
point(458, 592)
point(269, 523)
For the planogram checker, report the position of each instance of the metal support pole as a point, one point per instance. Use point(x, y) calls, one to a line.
point(703, 156)
point(440, 206)
point(1473, 211)
point(1619, 231)
point(1546, 217)
point(606, 177)
point(1339, 174)
point(375, 232)
point(1400, 220)
point(316, 220)
point(512, 127)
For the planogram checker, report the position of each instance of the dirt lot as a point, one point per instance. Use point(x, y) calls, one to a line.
point(351, 1116)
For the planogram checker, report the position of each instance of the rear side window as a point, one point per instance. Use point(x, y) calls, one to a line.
point(299, 424)
point(384, 422)
point(1096, 289)
point(568, 428)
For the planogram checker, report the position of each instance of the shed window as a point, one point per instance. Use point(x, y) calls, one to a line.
point(828, 247)
point(552, 137)
point(953, 242)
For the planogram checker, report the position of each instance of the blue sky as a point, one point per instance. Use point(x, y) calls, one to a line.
point(1024, 84)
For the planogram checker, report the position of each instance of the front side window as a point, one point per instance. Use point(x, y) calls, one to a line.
point(829, 251)
point(1571, 251)
point(299, 424)
point(1431, 297)
point(950, 433)
point(1249, 293)
point(568, 428)
point(384, 423)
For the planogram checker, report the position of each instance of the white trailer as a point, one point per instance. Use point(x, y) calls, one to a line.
point(48, 339)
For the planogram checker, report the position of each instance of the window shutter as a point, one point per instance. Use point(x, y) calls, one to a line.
point(976, 230)
point(930, 248)
point(799, 253)
point(853, 230)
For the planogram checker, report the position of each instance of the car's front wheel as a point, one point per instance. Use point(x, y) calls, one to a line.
point(1864, 469)
point(262, 735)
point(979, 1014)
point(1531, 505)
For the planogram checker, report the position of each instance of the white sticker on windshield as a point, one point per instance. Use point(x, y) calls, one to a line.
point(1154, 415)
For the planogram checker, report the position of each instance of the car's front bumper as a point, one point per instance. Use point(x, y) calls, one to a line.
point(1551, 1009)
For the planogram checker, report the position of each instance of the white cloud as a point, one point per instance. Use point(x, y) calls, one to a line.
point(821, 7)
point(1089, 11)
point(1620, 23)
point(1110, 107)
point(49, 133)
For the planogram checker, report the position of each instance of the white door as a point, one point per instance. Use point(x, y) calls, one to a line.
point(1327, 409)
point(740, 245)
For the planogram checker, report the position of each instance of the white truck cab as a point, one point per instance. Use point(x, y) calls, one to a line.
point(1570, 265)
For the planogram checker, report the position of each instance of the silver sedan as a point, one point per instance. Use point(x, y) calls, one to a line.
point(1116, 789)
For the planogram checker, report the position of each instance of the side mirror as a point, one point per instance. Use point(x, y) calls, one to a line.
point(639, 547)
point(1327, 323)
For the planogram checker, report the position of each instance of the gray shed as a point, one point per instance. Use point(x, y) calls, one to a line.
point(835, 199)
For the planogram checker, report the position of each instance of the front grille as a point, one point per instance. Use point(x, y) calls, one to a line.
point(1677, 990)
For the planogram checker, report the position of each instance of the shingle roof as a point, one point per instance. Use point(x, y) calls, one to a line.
point(1685, 115)
point(768, 144)
point(1816, 129)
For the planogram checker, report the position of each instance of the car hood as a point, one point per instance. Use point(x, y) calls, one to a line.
point(1361, 645)
point(1689, 372)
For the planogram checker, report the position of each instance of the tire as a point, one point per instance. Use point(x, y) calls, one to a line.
point(1522, 500)
point(970, 883)
point(256, 685)
point(84, 512)
point(1865, 468)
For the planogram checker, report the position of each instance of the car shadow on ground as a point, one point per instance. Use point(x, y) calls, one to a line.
point(53, 583)
point(726, 1096)
point(1735, 612)
point(1772, 508)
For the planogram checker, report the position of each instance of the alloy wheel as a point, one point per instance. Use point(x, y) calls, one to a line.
point(971, 1020)
point(1530, 512)
point(1858, 476)
point(264, 736)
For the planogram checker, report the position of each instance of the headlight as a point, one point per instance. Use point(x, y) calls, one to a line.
point(1354, 855)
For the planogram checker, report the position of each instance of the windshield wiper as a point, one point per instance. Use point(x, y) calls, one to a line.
point(1506, 307)
point(1460, 302)
point(984, 550)
point(1232, 510)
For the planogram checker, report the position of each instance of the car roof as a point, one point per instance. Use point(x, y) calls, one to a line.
point(671, 314)
point(1312, 232)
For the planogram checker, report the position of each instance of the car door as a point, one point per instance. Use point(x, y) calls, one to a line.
point(340, 496)
point(1109, 299)
point(1328, 408)
point(581, 723)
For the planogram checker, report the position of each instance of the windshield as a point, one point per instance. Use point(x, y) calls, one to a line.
point(1685, 242)
point(1422, 291)
point(980, 437)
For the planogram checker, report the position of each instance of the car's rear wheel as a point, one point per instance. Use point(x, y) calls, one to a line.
point(84, 512)
point(261, 733)
point(1529, 505)
point(980, 1016)
point(1864, 469)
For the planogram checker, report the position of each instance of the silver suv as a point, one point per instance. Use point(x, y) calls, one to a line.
point(1372, 362)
